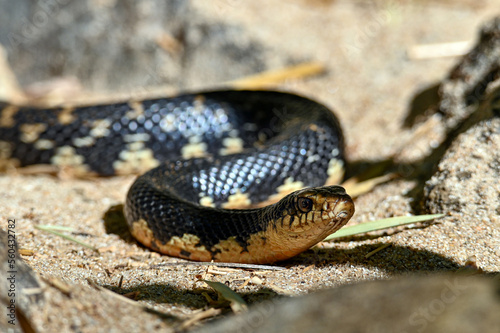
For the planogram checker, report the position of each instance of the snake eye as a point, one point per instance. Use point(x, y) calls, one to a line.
point(305, 204)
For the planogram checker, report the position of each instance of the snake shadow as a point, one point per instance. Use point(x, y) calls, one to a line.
point(114, 223)
point(395, 260)
point(423, 105)
point(196, 298)
point(401, 260)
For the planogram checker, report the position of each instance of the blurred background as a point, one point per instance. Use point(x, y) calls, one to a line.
point(368, 52)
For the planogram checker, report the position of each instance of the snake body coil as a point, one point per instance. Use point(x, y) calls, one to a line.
point(210, 152)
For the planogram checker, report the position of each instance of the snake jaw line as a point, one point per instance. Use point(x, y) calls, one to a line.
point(343, 211)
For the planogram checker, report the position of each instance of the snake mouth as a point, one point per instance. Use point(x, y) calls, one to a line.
point(344, 208)
point(339, 207)
point(343, 211)
point(336, 212)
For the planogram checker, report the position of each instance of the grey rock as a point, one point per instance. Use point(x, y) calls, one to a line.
point(20, 287)
point(448, 303)
point(467, 84)
point(156, 43)
point(467, 178)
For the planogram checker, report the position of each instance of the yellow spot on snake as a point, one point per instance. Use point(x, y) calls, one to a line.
point(232, 146)
point(137, 110)
point(187, 241)
point(6, 162)
point(100, 128)
point(207, 202)
point(237, 200)
point(136, 159)
point(44, 144)
point(195, 148)
point(176, 246)
point(86, 141)
point(140, 230)
point(31, 132)
point(229, 245)
point(258, 250)
point(66, 156)
point(7, 116)
point(66, 116)
point(335, 172)
point(289, 186)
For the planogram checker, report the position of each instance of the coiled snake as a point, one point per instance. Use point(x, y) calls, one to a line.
point(208, 153)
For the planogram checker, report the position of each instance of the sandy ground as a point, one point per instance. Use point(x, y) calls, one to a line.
point(370, 83)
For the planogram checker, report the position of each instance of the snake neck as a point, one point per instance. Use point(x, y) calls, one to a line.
point(183, 229)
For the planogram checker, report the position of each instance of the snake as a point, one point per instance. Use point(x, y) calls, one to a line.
point(226, 175)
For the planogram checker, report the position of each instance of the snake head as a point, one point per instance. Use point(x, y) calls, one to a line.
point(309, 215)
point(304, 218)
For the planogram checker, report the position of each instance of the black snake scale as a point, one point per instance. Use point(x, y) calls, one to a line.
point(209, 151)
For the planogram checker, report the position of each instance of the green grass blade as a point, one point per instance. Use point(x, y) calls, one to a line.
point(52, 230)
point(238, 304)
point(381, 224)
point(47, 227)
